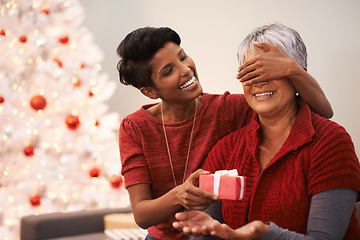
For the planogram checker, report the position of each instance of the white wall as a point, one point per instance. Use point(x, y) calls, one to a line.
point(212, 30)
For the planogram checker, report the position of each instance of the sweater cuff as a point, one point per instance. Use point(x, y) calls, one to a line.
point(273, 233)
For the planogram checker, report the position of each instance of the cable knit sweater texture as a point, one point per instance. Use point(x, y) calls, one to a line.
point(317, 155)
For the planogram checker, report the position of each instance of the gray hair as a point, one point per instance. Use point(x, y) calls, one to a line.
point(286, 39)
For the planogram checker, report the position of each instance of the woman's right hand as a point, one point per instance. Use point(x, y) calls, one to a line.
point(191, 196)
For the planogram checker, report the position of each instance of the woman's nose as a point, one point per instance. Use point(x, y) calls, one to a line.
point(260, 84)
point(185, 70)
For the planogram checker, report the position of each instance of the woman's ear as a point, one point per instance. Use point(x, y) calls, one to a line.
point(149, 92)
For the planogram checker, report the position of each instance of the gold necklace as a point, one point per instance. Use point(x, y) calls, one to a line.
point(167, 143)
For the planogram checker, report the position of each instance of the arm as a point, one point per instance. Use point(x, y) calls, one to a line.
point(147, 209)
point(273, 64)
point(148, 212)
point(329, 216)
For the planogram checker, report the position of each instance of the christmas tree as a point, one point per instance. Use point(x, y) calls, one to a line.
point(58, 140)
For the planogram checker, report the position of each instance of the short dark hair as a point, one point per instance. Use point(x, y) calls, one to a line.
point(137, 49)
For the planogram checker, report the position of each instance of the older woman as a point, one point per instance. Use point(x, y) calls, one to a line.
point(303, 175)
point(163, 144)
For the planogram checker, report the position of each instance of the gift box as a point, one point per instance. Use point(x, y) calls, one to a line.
point(225, 183)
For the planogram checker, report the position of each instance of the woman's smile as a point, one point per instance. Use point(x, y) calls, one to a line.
point(261, 96)
point(188, 84)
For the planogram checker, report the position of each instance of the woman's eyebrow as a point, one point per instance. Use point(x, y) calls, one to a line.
point(167, 65)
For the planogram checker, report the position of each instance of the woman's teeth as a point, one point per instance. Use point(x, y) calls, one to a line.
point(264, 94)
point(188, 83)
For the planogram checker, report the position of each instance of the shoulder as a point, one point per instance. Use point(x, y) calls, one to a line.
point(234, 139)
point(332, 145)
point(226, 103)
point(222, 154)
point(139, 120)
point(332, 161)
point(226, 96)
point(141, 115)
point(328, 131)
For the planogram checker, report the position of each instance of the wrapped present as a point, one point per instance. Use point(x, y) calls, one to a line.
point(225, 183)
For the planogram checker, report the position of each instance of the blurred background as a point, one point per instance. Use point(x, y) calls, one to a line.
point(212, 30)
point(61, 102)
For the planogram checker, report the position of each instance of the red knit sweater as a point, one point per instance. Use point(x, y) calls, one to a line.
point(317, 155)
point(143, 152)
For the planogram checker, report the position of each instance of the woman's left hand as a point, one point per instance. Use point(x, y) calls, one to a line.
point(272, 64)
point(190, 196)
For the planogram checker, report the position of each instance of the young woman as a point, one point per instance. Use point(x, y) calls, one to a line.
point(162, 145)
point(303, 175)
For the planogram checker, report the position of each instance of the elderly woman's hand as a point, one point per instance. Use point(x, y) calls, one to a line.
point(272, 64)
point(197, 223)
point(190, 196)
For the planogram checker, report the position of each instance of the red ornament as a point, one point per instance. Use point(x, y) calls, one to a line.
point(82, 65)
point(63, 40)
point(95, 172)
point(97, 123)
point(2, 99)
point(72, 122)
point(35, 200)
point(38, 102)
point(59, 63)
point(2, 32)
point(23, 39)
point(91, 93)
point(46, 11)
point(29, 151)
point(116, 181)
point(77, 83)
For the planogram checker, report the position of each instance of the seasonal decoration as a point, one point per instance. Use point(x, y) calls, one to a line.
point(63, 40)
point(29, 151)
point(35, 200)
point(94, 172)
point(58, 62)
point(82, 65)
point(23, 39)
point(91, 93)
point(76, 81)
point(226, 184)
point(72, 122)
point(45, 11)
point(38, 102)
point(116, 181)
point(49, 138)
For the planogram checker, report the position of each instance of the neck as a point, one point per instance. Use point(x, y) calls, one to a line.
point(276, 129)
point(178, 112)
